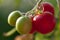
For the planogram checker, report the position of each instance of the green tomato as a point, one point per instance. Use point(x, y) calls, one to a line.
point(23, 25)
point(13, 17)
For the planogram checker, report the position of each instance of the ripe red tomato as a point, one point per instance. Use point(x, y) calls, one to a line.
point(45, 6)
point(44, 23)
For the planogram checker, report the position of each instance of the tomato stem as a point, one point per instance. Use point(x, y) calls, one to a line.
point(9, 33)
point(58, 3)
point(37, 4)
point(32, 11)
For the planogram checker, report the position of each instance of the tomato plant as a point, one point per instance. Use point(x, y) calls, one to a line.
point(40, 19)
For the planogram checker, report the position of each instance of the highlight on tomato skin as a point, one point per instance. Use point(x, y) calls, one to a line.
point(46, 6)
point(44, 23)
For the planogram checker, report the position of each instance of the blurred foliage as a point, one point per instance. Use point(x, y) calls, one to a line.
point(7, 6)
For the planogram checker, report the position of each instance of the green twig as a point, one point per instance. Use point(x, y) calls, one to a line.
point(9, 33)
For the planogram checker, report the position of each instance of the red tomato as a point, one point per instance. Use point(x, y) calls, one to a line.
point(44, 23)
point(45, 6)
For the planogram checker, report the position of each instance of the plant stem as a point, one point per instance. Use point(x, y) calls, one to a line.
point(37, 4)
point(9, 33)
point(58, 3)
point(32, 11)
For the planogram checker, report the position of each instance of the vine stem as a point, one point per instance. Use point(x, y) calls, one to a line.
point(32, 11)
point(9, 33)
point(58, 3)
point(37, 4)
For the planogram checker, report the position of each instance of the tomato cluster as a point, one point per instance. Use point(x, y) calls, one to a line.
point(43, 22)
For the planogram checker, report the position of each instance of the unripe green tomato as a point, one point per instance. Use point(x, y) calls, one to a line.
point(23, 25)
point(13, 17)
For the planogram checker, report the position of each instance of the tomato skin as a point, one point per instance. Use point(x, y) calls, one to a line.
point(46, 6)
point(23, 25)
point(33, 26)
point(44, 23)
point(13, 16)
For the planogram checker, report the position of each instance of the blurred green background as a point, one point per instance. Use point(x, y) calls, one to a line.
point(7, 6)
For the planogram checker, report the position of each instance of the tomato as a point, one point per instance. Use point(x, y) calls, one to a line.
point(23, 25)
point(46, 6)
point(44, 23)
point(13, 16)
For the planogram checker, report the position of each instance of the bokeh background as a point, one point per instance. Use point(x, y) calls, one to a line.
point(7, 6)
